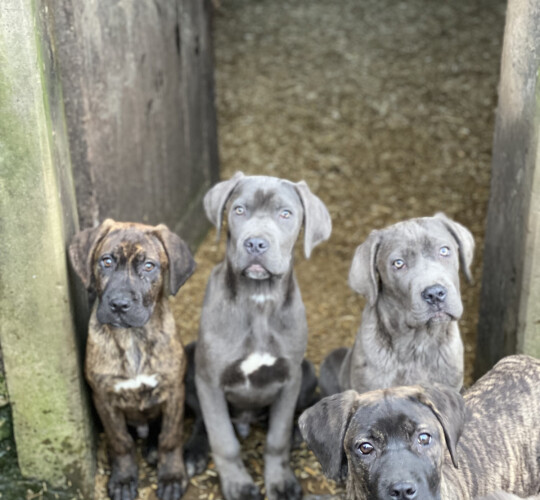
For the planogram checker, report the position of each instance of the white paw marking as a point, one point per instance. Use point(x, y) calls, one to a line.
point(255, 360)
point(137, 382)
point(259, 298)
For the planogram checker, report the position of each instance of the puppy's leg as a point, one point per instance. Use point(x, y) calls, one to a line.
point(307, 397)
point(172, 478)
point(123, 481)
point(197, 449)
point(236, 483)
point(329, 372)
point(281, 484)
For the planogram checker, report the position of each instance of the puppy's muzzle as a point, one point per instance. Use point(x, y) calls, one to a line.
point(256, 246)
point(403, 490)
point(435, 295)
point(120, 303)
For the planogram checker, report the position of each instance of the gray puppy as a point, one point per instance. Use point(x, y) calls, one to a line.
point(409, 333)
point(253, 331)
point(407, 442)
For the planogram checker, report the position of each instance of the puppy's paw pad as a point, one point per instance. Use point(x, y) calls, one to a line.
point(170, 490)
point(195, 461)
point(249, 492)
point(122, 490)
point(289, 490)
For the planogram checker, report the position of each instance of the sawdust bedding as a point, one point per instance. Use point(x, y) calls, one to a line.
point(386, 109)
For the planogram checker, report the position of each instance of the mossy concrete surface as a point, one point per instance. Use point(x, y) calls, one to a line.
point(45, 384)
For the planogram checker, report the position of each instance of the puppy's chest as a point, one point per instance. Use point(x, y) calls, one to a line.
point(135, 355)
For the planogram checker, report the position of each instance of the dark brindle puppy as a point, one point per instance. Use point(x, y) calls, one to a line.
point(135, 360)
point(407, 442)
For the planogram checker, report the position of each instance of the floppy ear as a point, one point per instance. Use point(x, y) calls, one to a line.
point(216, 199)
point(323, 427)
point(317, 221)
point(465, 242)
point(449, 408)
point(82, 247)
point(181, 263)
point(363, 275)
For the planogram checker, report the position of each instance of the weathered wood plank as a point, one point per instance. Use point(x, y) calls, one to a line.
point(509, 317)
point(138, 84)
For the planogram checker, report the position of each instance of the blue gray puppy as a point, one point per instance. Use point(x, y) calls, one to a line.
point(253, 331)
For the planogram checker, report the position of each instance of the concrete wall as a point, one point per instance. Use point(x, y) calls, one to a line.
point(38, 216)
point(138, 83)
point(510, 297)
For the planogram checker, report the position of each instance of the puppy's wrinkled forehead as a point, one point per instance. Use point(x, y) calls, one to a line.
point(261, 193)
point(390, 417)
point(127, 244)
point(419, 235)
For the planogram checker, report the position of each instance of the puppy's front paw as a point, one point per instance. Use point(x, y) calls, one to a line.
point(172, 480)
point(123, 482)
point(171, 488)
point(196, 460)
point(287, 489)
point(241, 491)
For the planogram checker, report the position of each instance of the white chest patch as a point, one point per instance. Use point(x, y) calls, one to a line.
point(254, 361)
point(259, 298)
point(136, 383)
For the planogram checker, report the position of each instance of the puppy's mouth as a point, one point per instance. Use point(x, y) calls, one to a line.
point(440, 317)
point(256, 272)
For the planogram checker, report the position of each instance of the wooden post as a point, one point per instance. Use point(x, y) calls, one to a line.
point(138, 84)
point(52, 427)
point(510, 297)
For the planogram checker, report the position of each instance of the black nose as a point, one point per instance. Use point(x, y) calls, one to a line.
point(403, 490)
point(120, 303)
point(434, 294)
point(256, 246)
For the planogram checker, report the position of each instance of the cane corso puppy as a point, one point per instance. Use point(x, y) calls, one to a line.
point(135, 361)
point(429, 443)
point(409, 334)
point(253, 331)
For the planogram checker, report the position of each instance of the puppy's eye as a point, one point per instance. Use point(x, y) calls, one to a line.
point(364, 448)
point(148, 266)
point(444, 251)
point(239, 210)
point(398, 263)
point(424, 438)
point(107, 261)
point(285, 214)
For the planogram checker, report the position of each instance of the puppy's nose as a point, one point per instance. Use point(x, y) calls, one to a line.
point(404, 490)
point(120, 303)
point(256, 246)
point(434, 294)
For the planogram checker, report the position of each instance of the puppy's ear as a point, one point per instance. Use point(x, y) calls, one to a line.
point(82, 247)
point(216, 199)
point(317, 221)
point(323, 427)
point(181, 263)
point(449, 408)
point(363, 275)
point(465, 242)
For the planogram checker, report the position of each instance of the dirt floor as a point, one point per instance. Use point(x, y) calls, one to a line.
point(386, 109)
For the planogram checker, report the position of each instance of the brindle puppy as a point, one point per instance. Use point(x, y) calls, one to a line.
point(135, 360)
point(407, 442)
